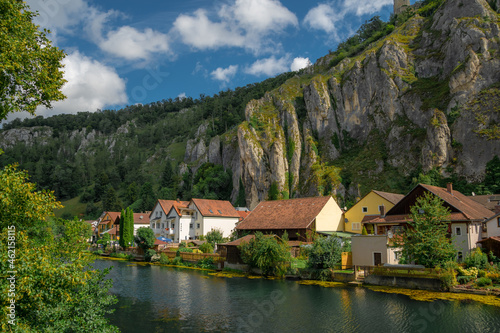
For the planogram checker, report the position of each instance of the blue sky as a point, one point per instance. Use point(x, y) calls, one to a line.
point(126, 52)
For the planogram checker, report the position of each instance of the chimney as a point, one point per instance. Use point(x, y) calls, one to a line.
point(178, 200)
point(449, 188)
point(382, 210)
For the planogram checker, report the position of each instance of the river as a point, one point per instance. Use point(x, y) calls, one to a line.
point(165, 299)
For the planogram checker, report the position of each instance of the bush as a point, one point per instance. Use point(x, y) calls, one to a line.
point(207, 263)
point(476, 259)
point(182, 245)
point(177, 261)
point(149, 254)
point(164, 259)
point(481, 282)
point(206, 248)
point(324, 255)
point(185, 249)
point(464, 279)
point(495, 277)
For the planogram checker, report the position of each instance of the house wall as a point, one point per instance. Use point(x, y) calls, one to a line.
point(493, 228)
point(466, 240)
point(355, 214)
point(225, 224)
point(197, 219)
point(364, 246)
point(182, 230)
point(330, 217)
point(156, 224)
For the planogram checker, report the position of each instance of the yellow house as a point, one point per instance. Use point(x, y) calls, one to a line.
point(374, 204)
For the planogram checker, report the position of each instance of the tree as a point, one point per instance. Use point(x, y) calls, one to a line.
point(110, 201)
point(21, 205)
point(241, 198)
point(425, 240)
point(127, 234)
point(167, 177)
point(105, 240)
point(145, 238)
point(324, 255)
point(268, 253)
point(214, 236)
point(30, 67)
point(274, 192)
point(212, 182)
point(148, 197)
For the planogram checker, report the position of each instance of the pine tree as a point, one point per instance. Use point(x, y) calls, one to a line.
point(130, 225)
point(122, 226)
point(240, 199)
point(167, 178)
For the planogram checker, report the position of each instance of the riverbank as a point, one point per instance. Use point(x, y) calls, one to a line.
point(456, 294)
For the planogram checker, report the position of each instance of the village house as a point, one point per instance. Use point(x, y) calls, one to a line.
point(491, 233)
point(300, 218)
point(465, 220)
point(373, 250)
point(186, 220)
point(370, 206)
point(106, 224)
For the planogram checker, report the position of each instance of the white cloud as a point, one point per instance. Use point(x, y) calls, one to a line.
point(299, 63)
point(244, 23)
point(131, 44)
point(225, 74)
point(327, 16)
point(363, 7)
point(91, 86)
point(182, 96)
point(198, 31)
point(269, 66)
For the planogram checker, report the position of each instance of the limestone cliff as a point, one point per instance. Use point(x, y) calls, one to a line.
point(425, 96)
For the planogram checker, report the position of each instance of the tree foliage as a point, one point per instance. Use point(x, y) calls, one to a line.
point(30, 67)
point(324, 254)
point(426, 240)
point(145, 238)
point(126, 228)
point(215, 236)
point(268, 253)
point(212, 182)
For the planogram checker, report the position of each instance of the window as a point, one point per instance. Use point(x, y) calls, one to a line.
point(485, 227)
point(460, 256)
point(173, 225)
point(197, 226)
point(458, 231)
point(190, 226)
point(210, 211)
point(498, 222)
point(219, 211)
point(397, 255)
point(356, 226)
point(365, 209)
point(380, 208)
point(152, 226)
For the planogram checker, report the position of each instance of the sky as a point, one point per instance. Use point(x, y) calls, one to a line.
point(125, 52)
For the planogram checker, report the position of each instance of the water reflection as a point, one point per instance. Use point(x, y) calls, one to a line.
point(161, 299)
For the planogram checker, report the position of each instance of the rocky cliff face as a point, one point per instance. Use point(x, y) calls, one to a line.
point(427, 95)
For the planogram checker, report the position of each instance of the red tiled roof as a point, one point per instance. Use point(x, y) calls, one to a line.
point(141, 218)
point(394, 198)
point(403, 218)
point(238, 241)
point(217, 208)
point(112, 231)
point(284, 214)
point(494, 238)
point(167, 205)
point(243, 214)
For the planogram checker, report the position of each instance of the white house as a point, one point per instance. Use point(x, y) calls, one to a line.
point(373, 250)
point(190, 220)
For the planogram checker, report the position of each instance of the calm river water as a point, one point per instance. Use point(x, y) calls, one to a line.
point(164, 299)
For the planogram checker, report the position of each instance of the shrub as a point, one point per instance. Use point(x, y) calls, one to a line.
point(495, 277)
point(182, 245)
point(149, 254)
point(206, 248)
point(448, 278)
point(468, 272)
point(185, 249)
point(164, 259)
point(481, 282)
point(206, 263)
point(481, 274)
point(177, 261)
point(325, 254)
point(464, 279)
point(476, 259)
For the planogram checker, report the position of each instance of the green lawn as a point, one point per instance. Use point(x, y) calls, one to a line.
point(71, 206)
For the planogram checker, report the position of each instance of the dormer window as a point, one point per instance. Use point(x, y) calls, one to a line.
point(219, 211)
point(210, 211)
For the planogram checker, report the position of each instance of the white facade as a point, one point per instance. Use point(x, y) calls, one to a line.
point(372, 250)
point(465, 236)
point(186, 223)
point(491, 227)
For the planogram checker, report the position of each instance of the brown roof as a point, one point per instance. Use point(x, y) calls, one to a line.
point(494, 238)
point(141, 218)
point(394, 198)
point(470, 208)
point(487, 201)
point(112, 231)
point(284, 214)
point(217, 208)
point(238, 241)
